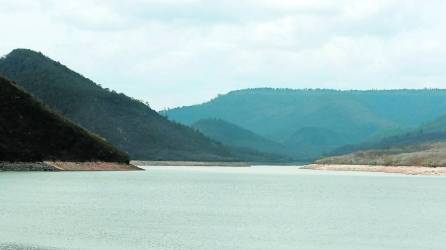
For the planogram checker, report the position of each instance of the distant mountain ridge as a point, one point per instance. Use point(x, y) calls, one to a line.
point(437, 125)
point(430, 132)
point(311, 142)
point(278, 114)
point(257, 125)
point(30, 132)
point(235, 136)
point(423, 146)
point(124, 122)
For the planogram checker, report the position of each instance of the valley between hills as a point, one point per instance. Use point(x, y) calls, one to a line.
point(53, 118)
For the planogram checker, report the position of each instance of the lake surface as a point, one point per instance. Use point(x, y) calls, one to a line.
point(221, 208)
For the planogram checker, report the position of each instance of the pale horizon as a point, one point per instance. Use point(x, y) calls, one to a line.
point(184, 52)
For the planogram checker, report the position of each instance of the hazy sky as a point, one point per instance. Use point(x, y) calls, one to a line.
point(181, 52)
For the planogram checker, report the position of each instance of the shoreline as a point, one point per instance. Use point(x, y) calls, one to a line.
point(57, 166)
point(210, 164)
point(406, 170)
point(189, 164)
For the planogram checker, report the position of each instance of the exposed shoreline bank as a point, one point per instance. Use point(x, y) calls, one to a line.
point(211, 164)
point(190, 164)
point(52, 166)
point(406, 170)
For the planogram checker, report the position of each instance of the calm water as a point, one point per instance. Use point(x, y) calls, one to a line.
point(221, 208)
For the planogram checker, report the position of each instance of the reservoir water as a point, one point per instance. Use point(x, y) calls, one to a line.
point(221, 208)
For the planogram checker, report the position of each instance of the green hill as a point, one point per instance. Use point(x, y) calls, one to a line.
point(126, 123)
point(351, 116)
point(423, 146)
point(309, 142)
point(438, 125)
point(235, 136)
point(427, 133)
point(30, 132)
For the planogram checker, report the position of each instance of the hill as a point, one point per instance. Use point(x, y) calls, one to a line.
point(310, 142)
point(30, 132)
point(354, 116)
point(430, 132)
point(423, 146)
point(126, 123)
point(236, 136)
point(438, 125)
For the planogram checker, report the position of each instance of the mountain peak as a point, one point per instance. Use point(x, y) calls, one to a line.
point(28, 57)
point(123, 121)
point(20, 52)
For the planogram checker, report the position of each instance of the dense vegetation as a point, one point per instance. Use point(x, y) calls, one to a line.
point(30, 132)
point(310, 143)
point(312, 123)
point(431, 132)
point(235, 136)
point(267, 125)
point(423, 146)
point(126, 123)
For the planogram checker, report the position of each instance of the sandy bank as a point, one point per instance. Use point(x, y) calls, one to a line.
point(190, 163)
point(66, 166)
point(408, 170)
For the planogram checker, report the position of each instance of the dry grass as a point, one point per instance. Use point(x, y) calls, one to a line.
point(92, 166)
point(407, 170)
point(428, 155)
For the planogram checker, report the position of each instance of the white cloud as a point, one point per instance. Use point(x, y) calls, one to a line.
point(176, 52)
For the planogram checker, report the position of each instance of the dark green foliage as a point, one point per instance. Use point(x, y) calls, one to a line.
point(423, 146)
point(428, 133)
point(438, 125)
point(235, 136)
point(335, 117)
point(126, 123)
point(309, 143)
point(31, 132)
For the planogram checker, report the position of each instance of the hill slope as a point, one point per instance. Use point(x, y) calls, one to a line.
point(279, 114)
point(427, 133)
point(310, 142)
point(30, 132)
point(438, 125)
point(233, 135)
point(126, 123)
point(424, 146)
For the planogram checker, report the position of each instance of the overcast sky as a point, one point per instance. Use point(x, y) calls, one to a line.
point(182, 52)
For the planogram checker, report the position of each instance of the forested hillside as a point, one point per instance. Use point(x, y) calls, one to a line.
point(310, 143)
point(423, 146)
point(255, 124)
point(233, 135)
point(30, 132)
point(430, 132)
point(315, 122)
point(124, 122)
